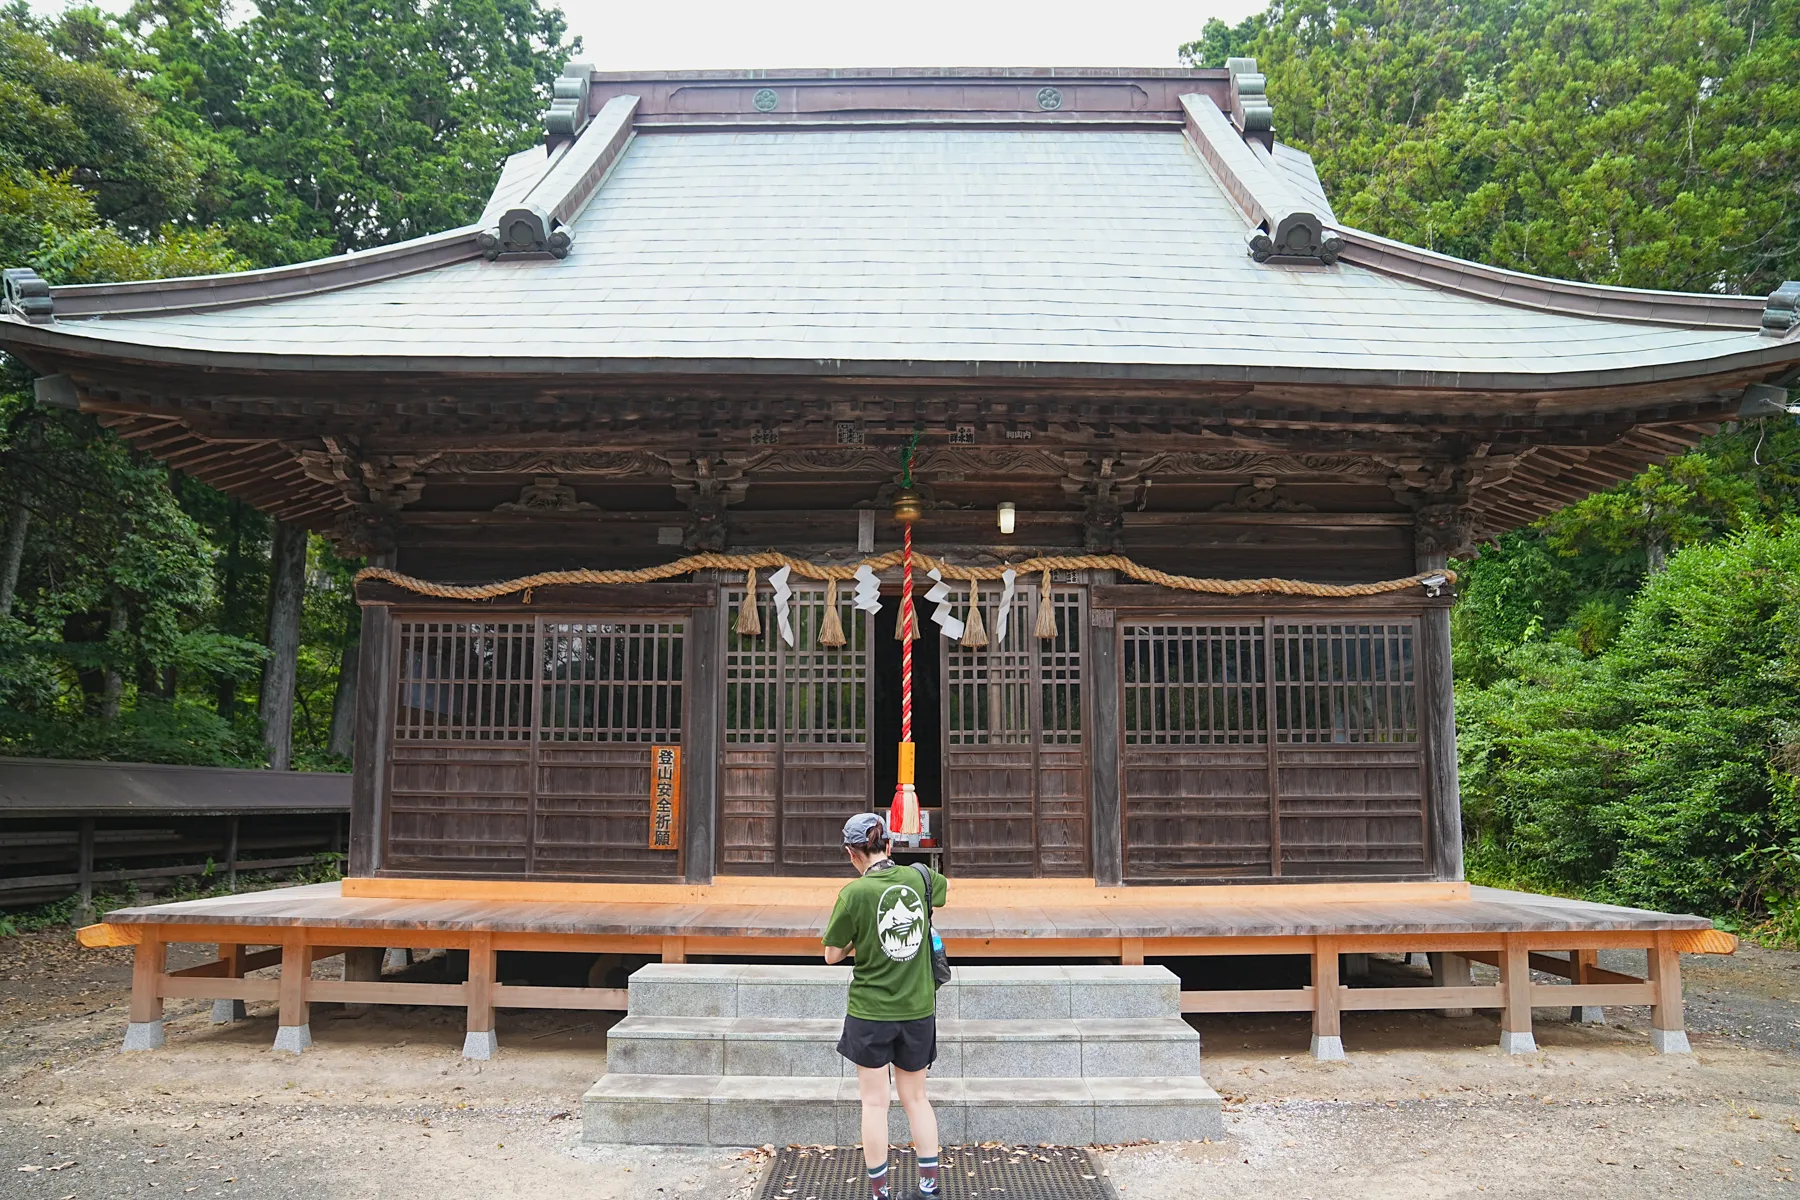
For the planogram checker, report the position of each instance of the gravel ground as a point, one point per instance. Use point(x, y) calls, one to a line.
point(384, 1106)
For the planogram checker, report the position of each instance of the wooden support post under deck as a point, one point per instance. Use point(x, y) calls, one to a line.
point(362, 964)
point(145, 1028)
point(1668, 1028)
point(1582, 964)
point(1328, 1036)
point(1131, 952)
point(293, 1030)
point(480, 1042)
point(224, 1012)
point(674, 950)
point(1515, 992)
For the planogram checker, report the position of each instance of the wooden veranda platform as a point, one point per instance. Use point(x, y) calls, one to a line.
point(738, 918)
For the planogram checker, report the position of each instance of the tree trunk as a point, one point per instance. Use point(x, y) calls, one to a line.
point(116, 626)
point(287, 588)
point(228, 685)
point(14, 552)
point(343, 704)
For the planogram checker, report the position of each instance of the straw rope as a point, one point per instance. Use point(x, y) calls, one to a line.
point(774, 560)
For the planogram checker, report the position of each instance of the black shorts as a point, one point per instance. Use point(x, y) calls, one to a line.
point(908, 1045)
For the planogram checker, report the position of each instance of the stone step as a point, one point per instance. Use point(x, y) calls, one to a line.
point(973, 993)
point(807, 1047)
point(749, 1110)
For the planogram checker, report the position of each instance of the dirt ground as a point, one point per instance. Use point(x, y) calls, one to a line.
point(384, 1106)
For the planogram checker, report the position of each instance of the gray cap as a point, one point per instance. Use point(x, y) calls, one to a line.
point(858, 828)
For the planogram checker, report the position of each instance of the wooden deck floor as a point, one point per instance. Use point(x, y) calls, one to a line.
point(1517, 932)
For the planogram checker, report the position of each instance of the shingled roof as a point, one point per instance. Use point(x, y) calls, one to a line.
point(1105, 225)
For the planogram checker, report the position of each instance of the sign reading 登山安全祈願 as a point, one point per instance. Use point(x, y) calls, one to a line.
point(665, 797)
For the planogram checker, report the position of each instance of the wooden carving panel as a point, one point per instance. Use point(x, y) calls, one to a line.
point(1015, 757)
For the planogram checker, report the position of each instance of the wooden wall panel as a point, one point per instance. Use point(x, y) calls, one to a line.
point(592, 816)
point(1196, 812)
point(1352, 811)
point(747, 811)
point(459, 808)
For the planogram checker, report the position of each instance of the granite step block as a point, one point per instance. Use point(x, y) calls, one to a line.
point(763, 1046)
point(754, 1110)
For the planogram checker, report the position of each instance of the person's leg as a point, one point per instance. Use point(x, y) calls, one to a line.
point(922, 1121)
point(872, 1087)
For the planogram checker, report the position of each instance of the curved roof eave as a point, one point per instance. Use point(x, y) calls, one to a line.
point(1770, 357)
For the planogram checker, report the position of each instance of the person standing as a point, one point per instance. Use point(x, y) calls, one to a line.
point(881, 918)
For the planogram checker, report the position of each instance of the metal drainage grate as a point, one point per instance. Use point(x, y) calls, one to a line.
point(990, 1172)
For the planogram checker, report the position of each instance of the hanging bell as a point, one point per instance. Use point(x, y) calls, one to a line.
point(909, 506)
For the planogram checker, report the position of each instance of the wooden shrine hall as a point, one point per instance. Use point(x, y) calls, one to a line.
point(1188, 457)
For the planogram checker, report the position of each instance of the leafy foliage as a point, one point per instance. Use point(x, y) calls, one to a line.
point(1649, 143)
point(183, 138)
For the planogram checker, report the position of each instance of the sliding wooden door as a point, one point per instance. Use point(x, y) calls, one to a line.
point(522, 747)
point(1015, 746)
point(1258, 747)
point(796, 737)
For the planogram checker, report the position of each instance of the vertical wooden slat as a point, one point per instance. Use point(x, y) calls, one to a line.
point(701, 724)
point(1103, 671)
point(1274, 758)
point(375, 684)
point(1437, 728)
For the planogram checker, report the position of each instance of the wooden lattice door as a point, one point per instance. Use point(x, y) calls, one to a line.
point(1015, 744)
point(796, 737)
point(523, 747)
point(1256, 748)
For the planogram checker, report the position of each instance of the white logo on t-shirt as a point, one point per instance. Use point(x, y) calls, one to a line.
point(900, 924)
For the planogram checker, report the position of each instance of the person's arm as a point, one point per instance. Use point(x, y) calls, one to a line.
point(838, 934)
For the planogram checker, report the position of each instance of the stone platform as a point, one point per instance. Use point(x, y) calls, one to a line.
point(735, 1055)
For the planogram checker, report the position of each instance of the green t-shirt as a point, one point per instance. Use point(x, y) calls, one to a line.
point(883, 916)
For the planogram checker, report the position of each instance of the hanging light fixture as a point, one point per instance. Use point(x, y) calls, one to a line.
point(1008, 517)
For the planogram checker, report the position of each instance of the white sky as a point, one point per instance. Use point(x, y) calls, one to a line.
point(678, 34)
point(674, 34)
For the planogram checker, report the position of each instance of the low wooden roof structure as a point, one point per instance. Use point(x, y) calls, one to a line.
point(50, 787)
point(719, 259)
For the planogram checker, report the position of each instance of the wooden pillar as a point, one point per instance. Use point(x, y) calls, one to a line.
point(703, 687)
point(1437, 728)
point(362, 964)
point(84, 869)
point(1668, 1029)
point(674, 950)
point(1103, 748)
point(374, 731)
point(1582, 964)
point(226, 1011)
point(1450, 970)
point(1327, 1038)
point(1515, 992)
point(1131, 952)
point(231, 852)
point(145, 1028)
point(480, 1041)
point(294, 1029)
